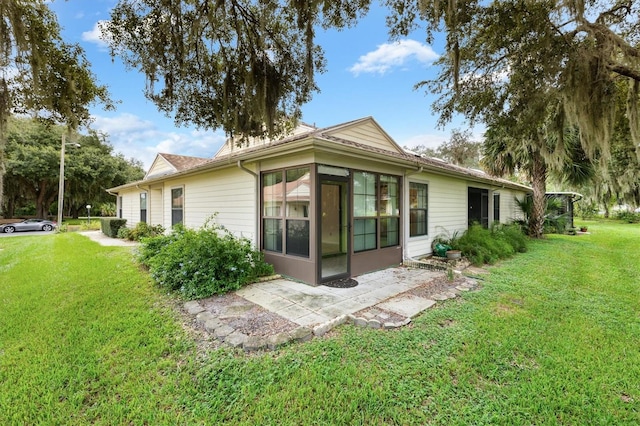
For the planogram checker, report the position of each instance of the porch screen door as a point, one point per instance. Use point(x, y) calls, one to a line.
point(334, 229)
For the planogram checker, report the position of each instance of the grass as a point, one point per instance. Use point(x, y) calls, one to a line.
point(553, 337)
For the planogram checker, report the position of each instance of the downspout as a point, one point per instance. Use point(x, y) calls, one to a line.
point(257, 220)
point(405, 233)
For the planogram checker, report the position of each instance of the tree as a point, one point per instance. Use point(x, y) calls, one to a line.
point(33, 158)
point(40, 73)
point(243, 65)
point(501, 51)
point(459, 150)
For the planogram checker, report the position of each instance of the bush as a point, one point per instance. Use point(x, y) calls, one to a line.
point(111, 225)
point(481, 245)
point(627, 216)
point(141, 230)
point(200, 263)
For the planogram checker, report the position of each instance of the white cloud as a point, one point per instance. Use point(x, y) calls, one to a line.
point(391, 55)
point(96, 35)
point(141, 139)
point(429, 140)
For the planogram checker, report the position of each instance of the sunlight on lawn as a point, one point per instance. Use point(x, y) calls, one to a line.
point(552, 336)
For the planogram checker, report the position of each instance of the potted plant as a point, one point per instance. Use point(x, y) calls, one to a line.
point(454, 254)
point(445, 242)
point(583, 229)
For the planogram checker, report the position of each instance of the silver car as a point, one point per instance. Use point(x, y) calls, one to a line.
point(28, 225)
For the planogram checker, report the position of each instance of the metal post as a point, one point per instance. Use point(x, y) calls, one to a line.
point(89, 215)
point(61, 183)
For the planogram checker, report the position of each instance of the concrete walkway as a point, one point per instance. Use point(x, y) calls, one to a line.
point(103, 240)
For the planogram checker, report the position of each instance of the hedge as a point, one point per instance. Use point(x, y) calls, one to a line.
point(111, 225)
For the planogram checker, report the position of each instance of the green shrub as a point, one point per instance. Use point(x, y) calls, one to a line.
point(627, 216)
point(141, 230)
point(200, 263)
point(481, 245)
point(123, 233)
point(111, 225)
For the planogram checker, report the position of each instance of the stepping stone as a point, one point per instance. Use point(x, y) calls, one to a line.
point(374, 323)
point(254, 343)
point(236, 339)
point(212, 324)
point(301, 334)
point(204, 316)
point(407, 305)
point(193, 307)
point(223, 331)
point(278, 340)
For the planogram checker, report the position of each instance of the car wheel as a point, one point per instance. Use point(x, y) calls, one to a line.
point(47, 228)
point(9, 229)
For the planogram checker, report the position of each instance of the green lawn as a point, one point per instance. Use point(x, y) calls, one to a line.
point(552, 337)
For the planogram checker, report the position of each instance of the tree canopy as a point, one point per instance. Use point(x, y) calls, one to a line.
point(32, 166)
point(244, 66)
point(41, 74)
point(502, 53)
point(459, 149)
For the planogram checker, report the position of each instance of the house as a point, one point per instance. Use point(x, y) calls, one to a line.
point(322, 203)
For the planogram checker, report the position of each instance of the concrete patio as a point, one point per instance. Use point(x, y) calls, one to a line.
point(308, 306)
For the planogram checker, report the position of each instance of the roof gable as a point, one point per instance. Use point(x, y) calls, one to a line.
point(365, 131)
point(165, 164)
point(233, 145)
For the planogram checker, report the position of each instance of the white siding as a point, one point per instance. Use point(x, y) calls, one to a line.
point(154, 205)
point(447, 211)
point(231, 193)
point(131, 206)
point(509, 209)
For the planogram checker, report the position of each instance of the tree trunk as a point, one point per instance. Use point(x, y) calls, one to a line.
point(539, 184)
point(40, 200)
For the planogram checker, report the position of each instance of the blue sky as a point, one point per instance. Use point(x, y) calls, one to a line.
point(367, 75)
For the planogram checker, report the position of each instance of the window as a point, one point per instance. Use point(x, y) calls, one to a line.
point(285, 201)
point(417, 209)
point(143, 207)
point(120, 207)
point(177, 206)
point(496, 207)
point(376, 211)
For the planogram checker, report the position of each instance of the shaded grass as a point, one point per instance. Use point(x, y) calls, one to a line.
point(553, 337)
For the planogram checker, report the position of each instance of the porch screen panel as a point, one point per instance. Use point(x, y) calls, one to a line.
point(272, 203)
point(297, 201)
point(390, 211)
point(389, 231)
point(364, 194)
point(365, 211)
point(364, 234)
point(272, 194)
point(272, 234)
point(285, 211)
point(298, 237)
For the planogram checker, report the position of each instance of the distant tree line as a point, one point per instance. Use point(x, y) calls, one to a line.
point(32, 165)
